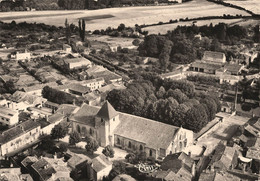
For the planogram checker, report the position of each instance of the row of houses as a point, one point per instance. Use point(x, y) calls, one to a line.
point(237, 159)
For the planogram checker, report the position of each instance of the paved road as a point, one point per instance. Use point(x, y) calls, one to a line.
point(224, 132)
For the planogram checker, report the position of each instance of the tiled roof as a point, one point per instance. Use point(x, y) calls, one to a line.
point(169, 74)
point(55, 117)
point(107, 111)
point(77, 159)
point(155, 134)
point(110, 87)
point(213, 56)
point(233, 67)
point(86, 115)
point(29, 160)
point(123, 177)
point(251, 130)
point(45, 167)
point(7, 112)
point(52, 104)
point(95, 68)
point(9, 177)
point(67, 109)
point(76, 60)
point(26, 177)
point(206, 65)
point(100, 163)
point(79, 88)
point(223, 156)
point(89, 81)
point(107, 75)
point(176, 161)
point(18, 130)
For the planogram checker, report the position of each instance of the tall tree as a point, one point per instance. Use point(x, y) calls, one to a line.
point(74, 138)
point(92, 144)
point(68, 31)
point(108, 151)
point(59, 132)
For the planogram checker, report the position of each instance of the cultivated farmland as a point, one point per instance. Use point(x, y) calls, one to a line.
point(101, 19)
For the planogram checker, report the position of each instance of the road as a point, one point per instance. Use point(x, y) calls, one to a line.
point(224, 132)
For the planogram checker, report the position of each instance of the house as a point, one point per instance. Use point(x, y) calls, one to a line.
point(66, 48)
point(10, 171)
point(37, 88)
point(21, 55)
point(51, 105)
point(92, 99)
point(77, 63)
point(19, 137)
point(223, 158)
point(205, 67)
point(214, 57)
point(175, 75)
point(175, 162)
point(79, 89)
point(95, 69)
point(50, 123)
point(27, 98)
point(109, 77)
point(227, 107)
point(227, 78)
point(178, 166)
point(8, 116)
point(47, 169)
point(94, 84)
point(218, 176)
point(123, 177)
point(130, 132)
point(99, 167)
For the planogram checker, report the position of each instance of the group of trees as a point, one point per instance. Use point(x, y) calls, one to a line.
point(182, 46)
point(59, 97)
point(168, 101)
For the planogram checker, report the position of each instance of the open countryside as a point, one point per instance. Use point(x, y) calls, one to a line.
point(98, 19)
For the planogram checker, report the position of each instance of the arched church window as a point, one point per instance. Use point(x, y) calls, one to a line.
point(141, 147)
point(151, 153)
point(78, 128)
point(129, 144)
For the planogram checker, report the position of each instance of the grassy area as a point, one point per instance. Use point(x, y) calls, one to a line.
point(35, 16)
point(127, 15)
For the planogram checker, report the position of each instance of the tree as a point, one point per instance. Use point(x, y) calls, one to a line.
point(10, 86)
point(121, 27)
point(68, 31)
point(82, 29)
point(92, 144)
point(74, 138)
point(136, 42)
point(108, 151)
point(63, 147)
point(196, 118)
point(59, 132)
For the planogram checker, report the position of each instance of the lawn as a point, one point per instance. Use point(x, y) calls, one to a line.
point(127, 15)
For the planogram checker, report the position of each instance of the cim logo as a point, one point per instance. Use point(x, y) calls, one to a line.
point(147, 168)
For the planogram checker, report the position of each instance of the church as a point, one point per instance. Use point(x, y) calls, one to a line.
point(129, 132)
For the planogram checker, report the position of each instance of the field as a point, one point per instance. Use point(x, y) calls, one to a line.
point(101, 19)
point(252, 5)
point(164, 28)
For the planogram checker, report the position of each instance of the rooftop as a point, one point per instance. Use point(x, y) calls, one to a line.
point(76, 60)
point(67, 109)
point(206, 65)
point(76, 159)
point(79, 88)
point(107, 111)
point(107, 75)
point(169, 74)
point(176, 161)
point(100, 163)
point(213, 56)
point(7, 112)
point(14, 132)
point(55, 117)
point(155, 134)
point(86, 114)
point(233, 67)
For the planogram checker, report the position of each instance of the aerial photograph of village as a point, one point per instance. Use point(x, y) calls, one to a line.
point(129, 90)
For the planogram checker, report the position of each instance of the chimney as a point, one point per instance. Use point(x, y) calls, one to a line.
point(11, 165)
point(47, 118)
point(55, 155)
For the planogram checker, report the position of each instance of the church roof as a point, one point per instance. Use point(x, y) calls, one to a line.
point(153, 133)
point(107, 111)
